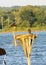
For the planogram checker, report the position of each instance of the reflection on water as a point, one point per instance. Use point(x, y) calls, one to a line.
point(15, 55)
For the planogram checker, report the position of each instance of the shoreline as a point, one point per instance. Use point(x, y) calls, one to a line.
point(22, 30)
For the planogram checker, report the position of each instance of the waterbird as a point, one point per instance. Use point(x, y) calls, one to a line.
point(3, 52)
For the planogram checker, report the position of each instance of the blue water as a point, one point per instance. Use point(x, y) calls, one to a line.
point(15, 55)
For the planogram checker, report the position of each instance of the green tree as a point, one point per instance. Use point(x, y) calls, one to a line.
point(25, 14)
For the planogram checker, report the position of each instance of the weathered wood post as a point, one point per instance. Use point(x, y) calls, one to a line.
point(28, 60)
point(26, 43)
point(28, 50)
point(14, 35)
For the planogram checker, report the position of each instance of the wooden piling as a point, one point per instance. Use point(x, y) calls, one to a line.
point(26, 42)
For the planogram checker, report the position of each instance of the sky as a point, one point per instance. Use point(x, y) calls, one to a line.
point(9, 3)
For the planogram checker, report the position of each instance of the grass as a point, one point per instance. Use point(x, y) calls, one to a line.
point(20, 29)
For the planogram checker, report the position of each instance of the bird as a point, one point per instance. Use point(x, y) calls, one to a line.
point(3, 52)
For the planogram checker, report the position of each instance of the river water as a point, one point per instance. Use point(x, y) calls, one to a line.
point(15, 55)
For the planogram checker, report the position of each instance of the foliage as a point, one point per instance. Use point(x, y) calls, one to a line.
point(24, 16)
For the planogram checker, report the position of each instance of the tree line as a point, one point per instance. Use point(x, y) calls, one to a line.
point(24, 16)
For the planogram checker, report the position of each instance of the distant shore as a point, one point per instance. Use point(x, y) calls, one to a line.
point(19, 29)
